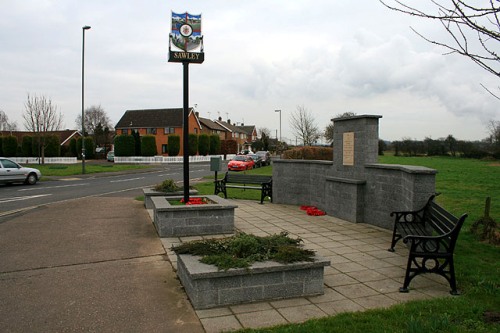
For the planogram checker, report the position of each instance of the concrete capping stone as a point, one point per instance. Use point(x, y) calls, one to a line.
point(207, 287)
point(149, 193)
point(373, 116)
point(320, 162)
point(346, 180)
point(404, 168)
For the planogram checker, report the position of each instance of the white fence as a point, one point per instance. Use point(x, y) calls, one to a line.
point(121, 159)
point(165, 159)
point(47, 160)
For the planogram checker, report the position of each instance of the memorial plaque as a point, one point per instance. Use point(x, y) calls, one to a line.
point(348, 148)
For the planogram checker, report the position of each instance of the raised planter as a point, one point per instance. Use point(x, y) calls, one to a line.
point(207, 287)
point(149, 193)
point(193, 220)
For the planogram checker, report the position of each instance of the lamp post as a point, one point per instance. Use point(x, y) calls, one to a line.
point(83, 99)
point(280, 121)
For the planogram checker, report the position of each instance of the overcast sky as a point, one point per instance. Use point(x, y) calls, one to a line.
point(329, 56)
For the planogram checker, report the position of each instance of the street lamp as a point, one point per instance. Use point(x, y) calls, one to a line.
point(86, 27)
point(280, 121)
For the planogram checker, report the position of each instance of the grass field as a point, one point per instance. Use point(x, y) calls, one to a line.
point(464, 185)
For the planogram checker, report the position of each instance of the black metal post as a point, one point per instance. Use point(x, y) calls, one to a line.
point(83, 97)
point(185, 145)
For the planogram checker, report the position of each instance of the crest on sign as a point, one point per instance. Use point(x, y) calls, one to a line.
point(186, 32)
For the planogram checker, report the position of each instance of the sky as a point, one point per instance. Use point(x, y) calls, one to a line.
point(327, 56)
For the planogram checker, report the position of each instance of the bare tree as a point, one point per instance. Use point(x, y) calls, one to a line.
point(494, 129)
point(94, 115)
point(474, 28)
point(328, 133)
point(303, 126)
point(41, 117)
point(5, 124)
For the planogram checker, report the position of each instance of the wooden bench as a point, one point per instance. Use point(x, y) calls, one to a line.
point(265, 184)
point(431, 234)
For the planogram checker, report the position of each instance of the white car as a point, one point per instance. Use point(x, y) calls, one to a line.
point(11, 172)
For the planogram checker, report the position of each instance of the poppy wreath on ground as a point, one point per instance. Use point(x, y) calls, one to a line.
point(312, 210)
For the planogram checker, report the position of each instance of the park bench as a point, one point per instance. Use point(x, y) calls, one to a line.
point(243, 181)
point(431, 234)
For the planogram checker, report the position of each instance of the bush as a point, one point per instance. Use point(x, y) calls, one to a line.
point(193, 144)
point(72, 148)
point(124, 145)
point(89, 147)
point(148, 145)
point(9, 146)
point(203, 144)
point(1, 144)
point(214, 144)
point(27, 146)
point(174, 145)
point(52, 146)
point(309, 153)
point(168, 185)
point(229, 147)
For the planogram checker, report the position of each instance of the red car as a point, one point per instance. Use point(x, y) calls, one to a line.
point(240, 163)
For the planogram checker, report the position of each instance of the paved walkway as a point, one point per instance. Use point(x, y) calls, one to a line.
point(362, 275)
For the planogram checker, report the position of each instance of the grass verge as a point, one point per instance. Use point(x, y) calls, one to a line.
point(464, 185)
point(59, 170)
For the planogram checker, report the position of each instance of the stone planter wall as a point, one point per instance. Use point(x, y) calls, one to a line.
point(194, 220)
point(149, 193)
point(207, 287)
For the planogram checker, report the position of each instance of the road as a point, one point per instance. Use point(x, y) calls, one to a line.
point(15, 198)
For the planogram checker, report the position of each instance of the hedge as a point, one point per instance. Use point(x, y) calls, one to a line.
point(174, 145)
point(124, 145)
point(148, 145)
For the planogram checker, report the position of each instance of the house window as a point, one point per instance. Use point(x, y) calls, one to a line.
point(125, 131)
point(168, 130)
point(195, 131)
point(151, 131)
point(164, 149)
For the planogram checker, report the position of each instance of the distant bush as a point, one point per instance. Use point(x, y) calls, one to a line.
point(309, 153)
point(52, 146)
point(203, 144)
point(9, 146)
point(193, 144)
point(214, 144)
point(229, 147)
point(27, 146)
point(124, 145)
point(174, 145)
point(148, 145)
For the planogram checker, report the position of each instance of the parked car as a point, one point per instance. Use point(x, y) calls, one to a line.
point(256, 159)
point(266, 157)
point(111, 156)
point(240, 163)
point(11, 172)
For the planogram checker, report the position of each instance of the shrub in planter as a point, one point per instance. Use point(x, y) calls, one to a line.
point(242, 250)
point(168, 185)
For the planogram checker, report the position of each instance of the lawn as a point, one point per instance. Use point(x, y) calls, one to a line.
point(464, 185)
point(55, 170)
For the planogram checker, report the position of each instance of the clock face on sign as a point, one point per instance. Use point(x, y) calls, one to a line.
point(186, 30)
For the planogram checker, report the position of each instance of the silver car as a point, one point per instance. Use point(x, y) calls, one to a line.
point(11, 172)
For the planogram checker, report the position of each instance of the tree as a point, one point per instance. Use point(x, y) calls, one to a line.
point(5, 124)
point(303, 126)
point(173, 145)
point(124, 145)
point(94, 116)
point(328, 133)
point(41, 117)
point(214, 144)
point(474, 29)
point(9, 146)
point(193, 144)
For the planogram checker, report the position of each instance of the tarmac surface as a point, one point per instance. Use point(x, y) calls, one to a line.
point(98, 265)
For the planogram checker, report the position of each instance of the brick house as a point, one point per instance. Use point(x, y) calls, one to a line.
point(210, 127)
point(158, 122)
point(233, 132)
point(251, 135)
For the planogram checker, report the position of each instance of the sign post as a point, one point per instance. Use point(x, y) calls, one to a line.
point(186, 46)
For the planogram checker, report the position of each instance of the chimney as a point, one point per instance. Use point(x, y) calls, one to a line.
point(220, 118)
point(197, 114)
point(229, 121)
